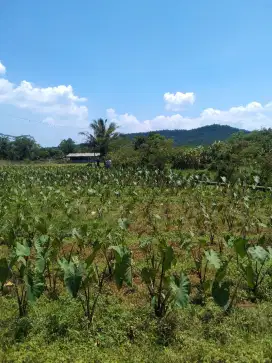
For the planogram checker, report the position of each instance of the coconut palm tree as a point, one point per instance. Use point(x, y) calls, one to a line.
point(101, 135)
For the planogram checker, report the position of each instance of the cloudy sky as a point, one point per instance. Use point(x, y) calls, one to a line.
point(147, 65)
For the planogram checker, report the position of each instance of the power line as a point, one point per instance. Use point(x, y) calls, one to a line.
point(45, 123)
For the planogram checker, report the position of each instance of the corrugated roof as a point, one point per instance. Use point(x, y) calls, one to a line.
point(80, 155)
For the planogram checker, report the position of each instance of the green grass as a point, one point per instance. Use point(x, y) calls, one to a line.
point(53, 331)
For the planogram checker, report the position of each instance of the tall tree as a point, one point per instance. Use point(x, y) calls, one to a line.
point(5, 147)
point(101, 135)
point(24, 147)
point(139, 141)
point(67, 146)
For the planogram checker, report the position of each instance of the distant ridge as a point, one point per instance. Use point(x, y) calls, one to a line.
point(201, 136)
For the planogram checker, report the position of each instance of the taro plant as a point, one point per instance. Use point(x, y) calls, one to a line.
point(253, 262)
point(54, 245)
point(84, 279)
point(253, 265)
point(26, 273)
point(122, 265)
point(210, 222)
point(165, 288)
point(258, 267)
point(79, 277)
point(221, 289)
point(206, 260)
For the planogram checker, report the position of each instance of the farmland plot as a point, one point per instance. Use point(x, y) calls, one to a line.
point(133, 266)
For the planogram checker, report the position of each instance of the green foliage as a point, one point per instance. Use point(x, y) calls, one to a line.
point(67, 146)
point(4, 271)
point(213, 259)
point(201, 136)
point(241, 157)
point(21, 148)
point(166, 290)
point(180, 287)
point(199, 279)
point(152, 151)
point(102, 135)
point(73, 274)
point(123, 268)
point(221, 293)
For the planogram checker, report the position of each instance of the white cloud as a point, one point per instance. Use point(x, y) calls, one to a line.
point(176, 101)
point(60, 106)
point(250, 117)
point(127, 121)
point(2, 68)
point(59, 103)
point(210, 112)
point(251, 107)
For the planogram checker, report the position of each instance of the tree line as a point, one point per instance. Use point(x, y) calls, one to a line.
point(242, 153)
point(25, 147)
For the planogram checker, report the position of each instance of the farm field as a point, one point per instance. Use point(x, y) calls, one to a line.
point(132, 266)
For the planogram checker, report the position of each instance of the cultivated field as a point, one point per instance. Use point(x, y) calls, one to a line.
point(132, 266)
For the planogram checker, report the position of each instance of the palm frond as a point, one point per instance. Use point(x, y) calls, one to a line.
point(101, 134)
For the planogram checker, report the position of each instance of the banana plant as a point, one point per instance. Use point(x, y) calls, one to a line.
point(165, 288)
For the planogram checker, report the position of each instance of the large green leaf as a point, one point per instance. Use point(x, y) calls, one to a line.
point(22, 250)
point(250, 275)
point(258, 253)
point(123, 268)
point(96, 247)
point(213, 259)
point(34, 285)
point(40, 264)
point(168, 257)
point(240, 246)
point(40, 244)
point(221, 293)
point(148, 275)
point(119, 251)
point(180, 287)
point(90, 275)
point(73, 274)
point(123, 272)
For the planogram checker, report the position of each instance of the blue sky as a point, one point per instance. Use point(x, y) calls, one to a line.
point(146, 65)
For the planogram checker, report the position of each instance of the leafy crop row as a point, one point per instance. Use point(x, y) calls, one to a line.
point(82, 229)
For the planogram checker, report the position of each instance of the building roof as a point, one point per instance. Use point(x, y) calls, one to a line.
point(80, 155)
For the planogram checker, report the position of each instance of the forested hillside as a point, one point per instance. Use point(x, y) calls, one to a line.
point(205, 135)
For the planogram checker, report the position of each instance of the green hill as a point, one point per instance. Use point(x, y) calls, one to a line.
point(201, 136)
